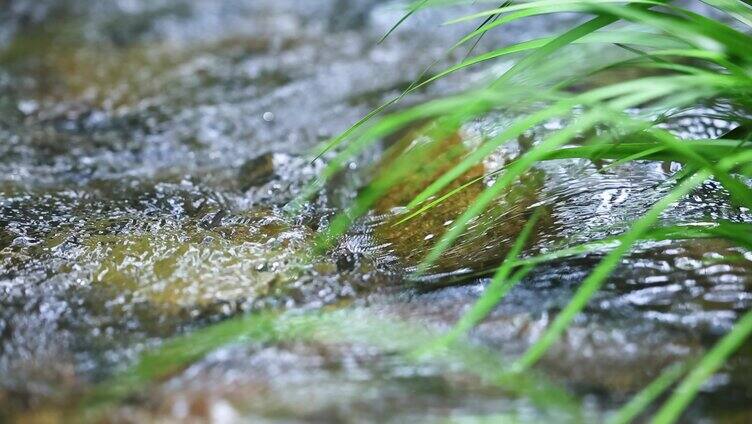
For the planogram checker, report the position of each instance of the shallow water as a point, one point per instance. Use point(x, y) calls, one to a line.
point(147, 150)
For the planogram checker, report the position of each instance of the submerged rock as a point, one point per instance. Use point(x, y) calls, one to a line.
point(257, 171)
point(486, 239)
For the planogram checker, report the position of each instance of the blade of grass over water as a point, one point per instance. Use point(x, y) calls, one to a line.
point(737, 233)
point(643, 39)
point(500, 284)
point(740, 192)
point(405, 17)
point(549, 47)
point(738, 9)
point(671, 411)
point(557, 43)
point(393, 336)
point(396, 172)
point(643, 90)
point(178, 353)
point(467, 104)
point(506, 179)
point(710, 150)
point(491, 18)
point(415, 85)
point(525, 162)
point(597, 277)
point(623, 152)
point(640, 402)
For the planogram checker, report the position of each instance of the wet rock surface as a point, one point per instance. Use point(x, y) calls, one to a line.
point(147, 151)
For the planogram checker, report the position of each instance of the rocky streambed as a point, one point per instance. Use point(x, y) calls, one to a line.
point(147, 151)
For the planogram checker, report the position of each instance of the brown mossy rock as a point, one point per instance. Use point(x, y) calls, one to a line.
point(436, 158)
point(486, 240)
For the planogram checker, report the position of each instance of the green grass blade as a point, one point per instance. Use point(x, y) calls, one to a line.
point(515, 169)
point(740, 192)
point(391, 335)
point(736, 8)
point(671, 411)
point(696, 29)
point(499, 286)
point(411, 11)
point(597, 277)
point(546, 6)
point(556, 44)
point(654, 87)
point(711, 150)
point(507, 178)
point(637, 405)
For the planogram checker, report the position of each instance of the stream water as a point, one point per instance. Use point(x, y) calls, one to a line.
point(147, 149)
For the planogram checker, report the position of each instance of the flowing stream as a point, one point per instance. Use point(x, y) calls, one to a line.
point(147, 151)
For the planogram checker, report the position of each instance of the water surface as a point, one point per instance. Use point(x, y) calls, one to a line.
point(147, 150)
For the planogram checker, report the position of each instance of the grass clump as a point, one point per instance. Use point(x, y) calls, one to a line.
point(684, 61)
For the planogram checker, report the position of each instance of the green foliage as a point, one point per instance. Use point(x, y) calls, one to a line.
point(642, 400)
point(687, 390)
point(698, 60)
point(389, 336)
point(503, 281)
